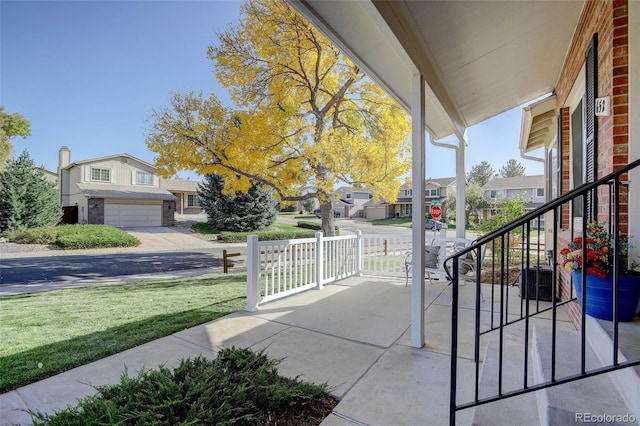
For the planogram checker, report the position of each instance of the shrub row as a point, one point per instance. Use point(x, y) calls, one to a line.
point(71, 237)
point(240, 237)
point(239, 387)
point(315, 226)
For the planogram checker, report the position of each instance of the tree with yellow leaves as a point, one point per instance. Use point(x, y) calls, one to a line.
point(306, 115)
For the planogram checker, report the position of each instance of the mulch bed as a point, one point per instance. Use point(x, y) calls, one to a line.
point(492, 276)
point(311, 414)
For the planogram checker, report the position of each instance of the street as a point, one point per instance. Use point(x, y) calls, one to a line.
point(34, 273)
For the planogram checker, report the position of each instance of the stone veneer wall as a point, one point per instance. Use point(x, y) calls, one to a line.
point(96, 211)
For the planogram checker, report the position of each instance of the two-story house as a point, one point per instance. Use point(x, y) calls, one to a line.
point(497, 190)
point(350, 201)
point(186, 193)
point(118, 190)
point(435, 190)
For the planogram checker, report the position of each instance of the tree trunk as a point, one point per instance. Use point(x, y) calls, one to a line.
point(328, 226)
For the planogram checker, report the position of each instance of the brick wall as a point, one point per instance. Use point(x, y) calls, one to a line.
point(609, 19)
point(566, 164)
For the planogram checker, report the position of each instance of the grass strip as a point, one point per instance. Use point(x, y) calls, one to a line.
point(50, 332)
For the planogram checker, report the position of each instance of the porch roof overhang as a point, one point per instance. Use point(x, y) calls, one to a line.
point(538, 125)
point(478, 58)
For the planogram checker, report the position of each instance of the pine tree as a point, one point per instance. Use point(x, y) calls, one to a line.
point(251, 211)
point(480, 174)
point(27, 198)
point(512, 169)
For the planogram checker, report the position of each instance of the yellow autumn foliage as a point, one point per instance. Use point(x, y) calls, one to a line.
point(305, 114)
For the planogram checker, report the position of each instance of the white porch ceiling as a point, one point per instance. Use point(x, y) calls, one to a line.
point(479, 57)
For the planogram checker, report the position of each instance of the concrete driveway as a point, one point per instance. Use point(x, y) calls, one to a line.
point(173, 238)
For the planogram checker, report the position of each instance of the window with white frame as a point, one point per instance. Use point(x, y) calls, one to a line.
point(100, 175)
point(539, 192)
point(408, 192)
point(144, 178)
point(433, 192)
point(348, 196)
point(495, 193)
point(193, 201)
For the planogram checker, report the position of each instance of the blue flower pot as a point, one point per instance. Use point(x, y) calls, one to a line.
point(600, 296)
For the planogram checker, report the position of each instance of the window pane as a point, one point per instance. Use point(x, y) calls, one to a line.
point(193, 201)
point(144, 178)
point(101, 175)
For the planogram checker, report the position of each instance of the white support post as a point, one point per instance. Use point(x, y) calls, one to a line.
point(359, 253)
point(253, 274)
point(461, 197)
point(319, 260)
point(419, 210)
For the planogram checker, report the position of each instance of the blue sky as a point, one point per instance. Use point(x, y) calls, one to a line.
point(87, 74)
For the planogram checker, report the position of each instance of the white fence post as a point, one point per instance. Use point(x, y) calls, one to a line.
point(319, 260)
point(253, 273)
point(442, 236)
point(358, 253)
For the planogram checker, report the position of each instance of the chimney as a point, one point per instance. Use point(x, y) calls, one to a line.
point(64, 157)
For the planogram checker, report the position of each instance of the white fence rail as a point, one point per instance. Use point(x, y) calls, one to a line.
point(384, 255)
point(276, 269)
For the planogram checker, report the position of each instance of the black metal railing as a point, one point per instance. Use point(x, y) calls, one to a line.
point(513, 255)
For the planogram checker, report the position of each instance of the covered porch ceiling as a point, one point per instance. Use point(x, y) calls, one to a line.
point(478, 58)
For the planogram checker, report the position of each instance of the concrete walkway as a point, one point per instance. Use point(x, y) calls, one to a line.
point(353, 334)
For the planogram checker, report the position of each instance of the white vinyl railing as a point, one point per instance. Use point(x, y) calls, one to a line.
point(384, 255)
point(276, 269)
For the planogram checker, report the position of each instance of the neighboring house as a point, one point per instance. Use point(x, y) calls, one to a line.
point(351, 201)
point(186, 192)
point(435, 190)
point(438, 190)
point(50, 175)
point(378, 210)
point(497, 190)
point(118, 190)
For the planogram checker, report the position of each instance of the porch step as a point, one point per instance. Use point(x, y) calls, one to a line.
point(520, 409)
point(569, 403)
point(600, 333)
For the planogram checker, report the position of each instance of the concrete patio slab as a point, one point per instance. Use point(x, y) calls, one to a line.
point(370, 310)
point(321, 358)
point(238, 329)
point(406, 386)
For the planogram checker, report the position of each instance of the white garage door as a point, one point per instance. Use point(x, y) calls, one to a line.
point(376, 212)
point(132, 214)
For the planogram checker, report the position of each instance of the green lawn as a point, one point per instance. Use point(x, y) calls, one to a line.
point(297, 215)
point(394, 221)
point(279, 231)
point(50, 332)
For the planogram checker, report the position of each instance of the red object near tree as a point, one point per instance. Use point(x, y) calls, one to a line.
point(436, 212)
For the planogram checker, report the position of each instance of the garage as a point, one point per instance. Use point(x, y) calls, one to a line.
point(124, 213)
